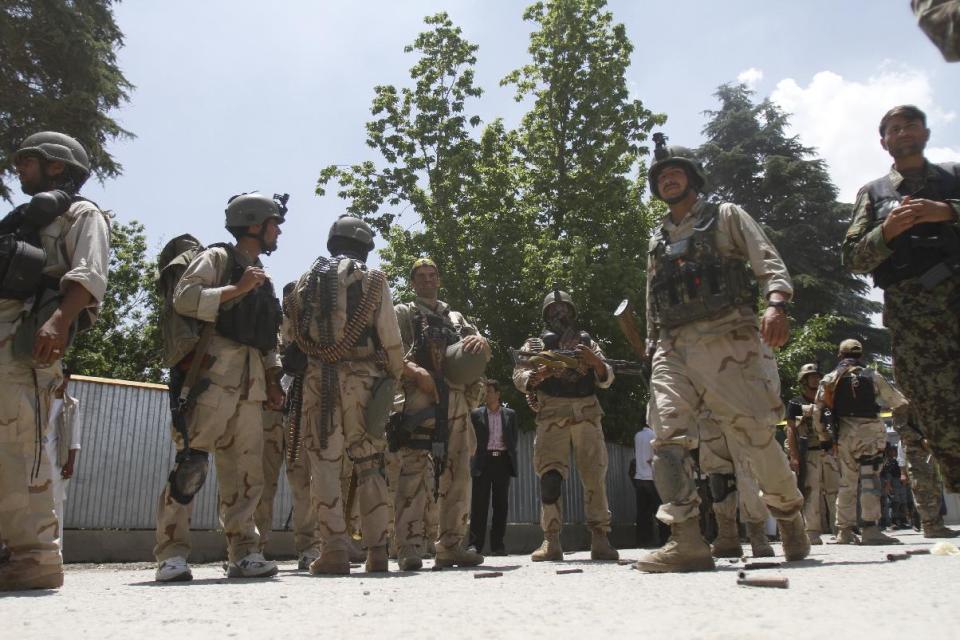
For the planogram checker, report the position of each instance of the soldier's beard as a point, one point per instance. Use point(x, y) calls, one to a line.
point(679, 198)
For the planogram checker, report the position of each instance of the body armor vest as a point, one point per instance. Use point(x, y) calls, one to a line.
point(923, 246)
point(692, 280)
point(22, 257)
point(255, 318)
point(855, 395)
point(569, 383)
point(432, 334)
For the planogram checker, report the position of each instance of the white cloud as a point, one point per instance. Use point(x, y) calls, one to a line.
point(839, 117)
point(750, 77)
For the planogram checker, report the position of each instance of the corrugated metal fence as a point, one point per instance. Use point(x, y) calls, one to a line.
point(127, 454)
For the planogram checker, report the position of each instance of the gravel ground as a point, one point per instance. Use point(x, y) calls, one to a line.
point(850, 592)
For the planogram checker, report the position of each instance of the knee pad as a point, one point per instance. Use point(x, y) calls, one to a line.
point(721, 485)
point(188, 476)
point(368, 466)
point(673, 474)
point(550, 485)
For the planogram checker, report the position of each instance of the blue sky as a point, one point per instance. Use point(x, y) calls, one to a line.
point(237, 95)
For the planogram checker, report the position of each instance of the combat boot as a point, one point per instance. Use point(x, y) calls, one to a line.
point(759, 542)
point(457, 557)
point(872, 535)
point(814, 537)
point(847, 536)
point(938, 530)
point(430, 549)
point(550, 550)
point(331, 563)
point(409, 559)
point(793, 534)
point(305, 559)
point(355, 551)
point(685, 551)
point(21, 575)
point(727, 542)
point(377, 559)
point(600, 548)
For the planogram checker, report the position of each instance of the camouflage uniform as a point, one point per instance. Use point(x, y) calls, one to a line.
point(940, 20)
point(415, 481)
point(821, 476)
point(860, 438)
point(365, 365)
point(924, 325)
point(77, 247)
point(227, 420)
point(922, 470)
point(305, 538)
point(718, 372)
point(562, 423)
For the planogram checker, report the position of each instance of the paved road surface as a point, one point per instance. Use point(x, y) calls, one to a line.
point(841, 592)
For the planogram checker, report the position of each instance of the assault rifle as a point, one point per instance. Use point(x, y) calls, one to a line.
point(627, 320)
point(557, 359)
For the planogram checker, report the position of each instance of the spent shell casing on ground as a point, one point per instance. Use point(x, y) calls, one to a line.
point(561, 572)
point(488, 574)
point(773, 582)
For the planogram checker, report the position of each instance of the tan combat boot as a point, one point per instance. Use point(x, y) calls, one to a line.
point(409, 559)
point(331, 563)
point(549, 550)
point(847, 536)
point(872, 535)
point(377, 559)
point(793, 534)
point(686, 550)
point(938, 530)
point(759, 542)
point(600, 548)
point(21, 575)
point(727, 542)
point(814, 537)
point(457, 557)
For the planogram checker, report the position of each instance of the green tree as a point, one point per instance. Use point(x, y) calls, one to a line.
point(752, 161)
point(125, 341)
point(58, 70)
point(581, 144)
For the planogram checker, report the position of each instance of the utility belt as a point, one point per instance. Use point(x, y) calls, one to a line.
point(496, 453)
point(857, 414)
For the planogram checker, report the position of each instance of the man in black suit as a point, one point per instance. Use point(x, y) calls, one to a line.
point(494, 463)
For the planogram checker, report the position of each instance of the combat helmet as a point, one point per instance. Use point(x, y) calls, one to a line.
point(851, 347)
point(674, 155)
point(806, 370)
point(248, 209)
point(554, 297)
point(51, 146)
point(351, 228)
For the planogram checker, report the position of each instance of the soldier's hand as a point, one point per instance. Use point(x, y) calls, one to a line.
point(275, 397)
point(541, 373)
point(775, 327)
point(426, 384)
point(475, 344)
point(794, 464)
point(67, 471)
point(252, 278)
point(899, 220)
point(931, 211)
point(50, 341)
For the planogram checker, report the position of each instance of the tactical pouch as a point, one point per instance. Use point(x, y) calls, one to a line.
point(378, 407)
point(46, 303)
point(294, 360)
point(21, 268)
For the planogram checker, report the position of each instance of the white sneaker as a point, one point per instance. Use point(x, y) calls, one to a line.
point(253, 565)
point(304, 560)
point(173, 569)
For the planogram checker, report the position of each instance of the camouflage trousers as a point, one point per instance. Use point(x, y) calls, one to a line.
point(348, 438)
point(821, 483)
point(859, 437)
point(305, 537)
point(415, 483)
point(231, 430)
point(28, 524)
point(747, 495)
point(551, 452)
point(926, 354)
point(721, 392)
point(922, 470)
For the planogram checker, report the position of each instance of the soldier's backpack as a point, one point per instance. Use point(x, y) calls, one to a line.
point(179, 333)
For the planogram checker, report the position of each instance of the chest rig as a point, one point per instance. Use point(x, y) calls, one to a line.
point(692, 280)
point(432, 334)
point(922, 248)
point(254, 319)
